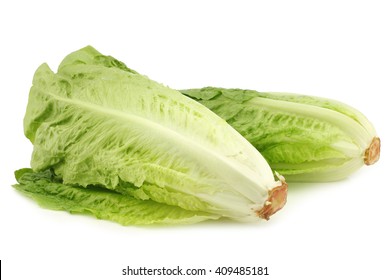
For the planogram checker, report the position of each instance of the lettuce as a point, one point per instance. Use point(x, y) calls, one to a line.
point(96, 122)
point(305, 138)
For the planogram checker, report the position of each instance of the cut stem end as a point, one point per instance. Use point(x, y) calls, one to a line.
point(373, 151)
point(277, 198)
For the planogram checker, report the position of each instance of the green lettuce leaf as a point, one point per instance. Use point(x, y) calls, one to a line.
point(48, 190)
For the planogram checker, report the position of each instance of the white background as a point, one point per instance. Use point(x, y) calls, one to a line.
point(336, 49)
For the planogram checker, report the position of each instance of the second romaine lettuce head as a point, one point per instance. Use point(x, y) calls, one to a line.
point(305, 138)
point(98, 123)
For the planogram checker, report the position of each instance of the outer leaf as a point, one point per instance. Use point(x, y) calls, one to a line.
point(50, 192)
point(98, 122)
point(303, 137)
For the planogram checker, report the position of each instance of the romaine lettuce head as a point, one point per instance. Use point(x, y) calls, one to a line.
point(306, 138)
point(97, 122)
